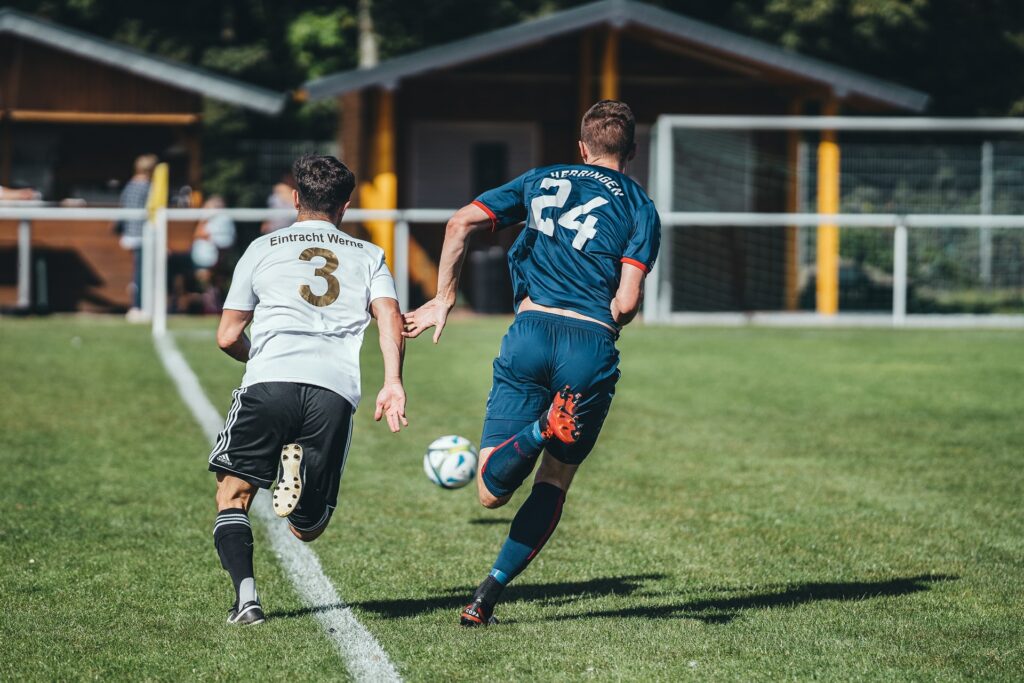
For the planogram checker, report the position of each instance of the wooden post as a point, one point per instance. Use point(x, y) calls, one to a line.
point(381, 190)
point(610, 66)
point(190, 138)
point(586, 75)
point(5, 150)
point(828, 202)
point(350, 134)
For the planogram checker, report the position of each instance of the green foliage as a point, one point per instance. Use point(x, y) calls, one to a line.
point(323, 43)
point(963, 55)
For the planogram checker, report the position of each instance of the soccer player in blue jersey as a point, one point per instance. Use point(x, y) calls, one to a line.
point(578, 269)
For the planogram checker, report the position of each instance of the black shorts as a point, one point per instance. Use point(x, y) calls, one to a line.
point(264, 418)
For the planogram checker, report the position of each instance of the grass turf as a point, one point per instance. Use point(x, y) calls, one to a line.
point(763, 504)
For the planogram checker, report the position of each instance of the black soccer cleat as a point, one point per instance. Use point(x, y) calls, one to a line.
point(249, 614)
point(477, 613)
point(289, 480)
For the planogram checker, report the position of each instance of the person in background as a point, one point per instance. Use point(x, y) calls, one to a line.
point(134, 196)
point(213, 237)
point(280, 198)
point(18, 195)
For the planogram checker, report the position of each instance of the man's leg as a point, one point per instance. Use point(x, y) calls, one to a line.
point(232, 536)
point(324, 440)
point(504, 467)
point(531, 528)
point(262, 418)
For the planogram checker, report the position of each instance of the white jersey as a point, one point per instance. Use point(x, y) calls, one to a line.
point(309, 286)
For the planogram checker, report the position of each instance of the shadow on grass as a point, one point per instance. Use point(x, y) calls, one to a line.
point(724, 610)
point(457, 597)
point(710, 611)
point(490, 521)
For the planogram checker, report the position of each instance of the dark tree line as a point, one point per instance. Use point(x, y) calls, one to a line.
point(967, 54)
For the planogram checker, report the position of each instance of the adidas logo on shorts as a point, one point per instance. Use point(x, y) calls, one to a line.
point(223, 457)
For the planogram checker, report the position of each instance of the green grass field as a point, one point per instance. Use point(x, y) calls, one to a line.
point(763, 505)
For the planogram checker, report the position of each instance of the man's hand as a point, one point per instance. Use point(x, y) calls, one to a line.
point(434, 313)
point(391, 404)
point(616, 312)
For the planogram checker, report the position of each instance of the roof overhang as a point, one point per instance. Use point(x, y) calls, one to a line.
point(139, 63)
point(620, 14)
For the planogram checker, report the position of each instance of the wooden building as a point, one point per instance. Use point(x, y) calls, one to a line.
point(433, 128)
point(75, 111)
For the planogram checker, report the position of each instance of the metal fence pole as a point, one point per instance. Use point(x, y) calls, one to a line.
point(899, 276)
point(655, 307)
point(25, 265)
point(402, 263)
point(985, 234)
point(159, 286)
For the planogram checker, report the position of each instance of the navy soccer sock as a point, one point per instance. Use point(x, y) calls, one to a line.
point(531, 528)
point(511, 462)
point(232, 537)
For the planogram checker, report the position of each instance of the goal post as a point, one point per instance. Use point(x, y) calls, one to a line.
point(827, 214)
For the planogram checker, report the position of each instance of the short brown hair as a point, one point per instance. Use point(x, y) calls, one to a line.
point(323, 182)
point(608, 128)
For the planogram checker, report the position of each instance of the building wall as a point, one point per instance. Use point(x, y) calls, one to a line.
point(37, 77)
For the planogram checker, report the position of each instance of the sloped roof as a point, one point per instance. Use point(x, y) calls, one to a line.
point(618, 13)
point(172, 73)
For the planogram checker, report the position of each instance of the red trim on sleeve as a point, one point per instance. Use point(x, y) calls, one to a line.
point(638, 264)
point(487, 210)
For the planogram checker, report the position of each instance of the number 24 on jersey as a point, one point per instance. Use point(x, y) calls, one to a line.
point(585, 229)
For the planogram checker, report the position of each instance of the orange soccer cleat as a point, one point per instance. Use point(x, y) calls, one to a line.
point(561, 420)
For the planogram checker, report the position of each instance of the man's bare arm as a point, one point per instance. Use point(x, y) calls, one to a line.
point(630, 294)
point(391, 399)
point(467, 220)
point(231, 337)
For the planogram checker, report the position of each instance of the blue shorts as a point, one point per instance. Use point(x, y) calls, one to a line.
point(540, 354)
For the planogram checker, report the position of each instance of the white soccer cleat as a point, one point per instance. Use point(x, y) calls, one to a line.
point(289, 481)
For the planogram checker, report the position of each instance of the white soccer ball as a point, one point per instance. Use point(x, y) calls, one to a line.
point(450, 462)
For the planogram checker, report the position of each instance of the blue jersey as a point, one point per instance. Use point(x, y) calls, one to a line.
point(582, 223)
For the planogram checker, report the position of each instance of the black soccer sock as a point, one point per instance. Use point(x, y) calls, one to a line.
point(531, 528)
point(489, 591)
point(512, 461)
point(232, 536)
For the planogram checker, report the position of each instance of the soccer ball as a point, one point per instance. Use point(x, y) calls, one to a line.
point(450, 462)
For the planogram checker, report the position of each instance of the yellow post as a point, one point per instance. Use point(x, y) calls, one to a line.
point(381, 191)
point(828, 233)
point(159, 190)
point(610, 66)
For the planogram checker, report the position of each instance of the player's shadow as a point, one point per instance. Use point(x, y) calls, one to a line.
point(718, 610)
point(456, 598)
point(490, 521)
point(723, 610)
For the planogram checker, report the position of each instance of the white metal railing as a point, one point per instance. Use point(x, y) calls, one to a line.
point(155, 241)
point(657, 305)
point(154, 244)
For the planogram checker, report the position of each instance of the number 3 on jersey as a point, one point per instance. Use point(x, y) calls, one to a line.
point(330, 265)
point(585, 230)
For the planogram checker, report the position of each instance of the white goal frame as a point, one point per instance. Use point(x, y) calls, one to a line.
point(658, 305)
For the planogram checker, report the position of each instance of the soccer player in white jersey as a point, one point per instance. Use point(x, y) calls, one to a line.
point(309, 291)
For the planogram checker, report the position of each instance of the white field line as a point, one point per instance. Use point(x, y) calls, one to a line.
point(363, 655)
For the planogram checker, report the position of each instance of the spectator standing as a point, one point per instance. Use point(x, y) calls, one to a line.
point(280, 198)
point(213, 239)
point(134, 196)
